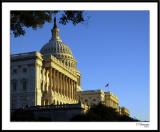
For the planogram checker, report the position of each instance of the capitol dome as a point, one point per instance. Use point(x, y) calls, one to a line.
point(58, 49)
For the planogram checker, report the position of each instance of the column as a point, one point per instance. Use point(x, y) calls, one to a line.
point(63, 84)
point(63, 87)
point(47, 74)
point(43, 82)
point(75, 94)
point(68, 82)
point(56, 86)
point(46, 88)
point(60, 88)
point(72, 90)
point(53, 80)
point(50, 79)
point(58, 82)
point(69, 87)
point(37, 84)
point(66, 93)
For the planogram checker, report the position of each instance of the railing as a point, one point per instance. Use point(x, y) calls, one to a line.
point(63, 106)
point(24, 54)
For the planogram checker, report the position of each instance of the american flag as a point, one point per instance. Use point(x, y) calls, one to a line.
point(107, 85)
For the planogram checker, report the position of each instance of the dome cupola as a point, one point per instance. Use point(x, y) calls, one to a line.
point(58, 49)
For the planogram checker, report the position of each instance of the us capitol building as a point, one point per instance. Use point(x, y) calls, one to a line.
point(51, 77)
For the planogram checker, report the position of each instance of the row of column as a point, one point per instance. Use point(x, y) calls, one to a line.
point(62, 84)
point(113, 104)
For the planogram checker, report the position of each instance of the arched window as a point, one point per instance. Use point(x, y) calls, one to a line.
point(66, 63)
point(46, 102)
point(86, 100)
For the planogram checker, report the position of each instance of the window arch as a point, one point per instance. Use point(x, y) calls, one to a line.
point(66, 63)
point(46, 102)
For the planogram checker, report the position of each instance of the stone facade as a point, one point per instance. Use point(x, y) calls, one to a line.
point(46, 77)
point(91, 97)
point(23, 79)
point(111, 100)
point(51, 77)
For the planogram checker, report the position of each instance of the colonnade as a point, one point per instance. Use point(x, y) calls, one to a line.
point(62, 84)
point(113, 103)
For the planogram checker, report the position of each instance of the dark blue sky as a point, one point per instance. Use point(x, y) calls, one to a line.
point(112, 46)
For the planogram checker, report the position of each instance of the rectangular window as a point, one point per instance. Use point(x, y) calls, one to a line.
point(24, 85)
point(14, 71)
point(24, 70)
point(14, 86)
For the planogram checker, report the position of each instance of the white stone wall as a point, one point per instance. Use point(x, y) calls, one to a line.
point(22, 97)
point(40, 82)
point(38, 76)
point(96, 96)
point(111, 100)
point(91, 97)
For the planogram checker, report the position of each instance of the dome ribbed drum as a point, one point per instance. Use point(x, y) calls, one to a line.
point(58, 49)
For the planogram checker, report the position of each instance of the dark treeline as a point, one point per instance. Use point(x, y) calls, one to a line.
point(101, 112)
point(96, 113)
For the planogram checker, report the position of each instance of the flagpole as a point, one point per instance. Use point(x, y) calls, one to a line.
point(107, 85)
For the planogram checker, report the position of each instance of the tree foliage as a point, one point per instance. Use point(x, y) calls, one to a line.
point(27, 115)
point(96, 113)
point(36, 19)
point(102, 113)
